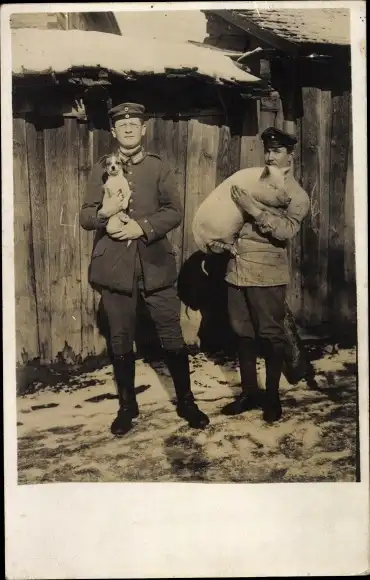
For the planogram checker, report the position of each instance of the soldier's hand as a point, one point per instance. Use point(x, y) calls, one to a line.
point(245, 200)
point(112, 204)
point(218, 247)
point(129, 231)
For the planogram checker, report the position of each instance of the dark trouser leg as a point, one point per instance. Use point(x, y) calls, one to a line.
point(164, 307)
point(268, 304)
point(120, 310)
point(242, 324)
point(274, 366)
point(124, 373)
point(247, 353)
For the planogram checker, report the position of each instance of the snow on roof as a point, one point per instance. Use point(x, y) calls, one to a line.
point(59, 51)
point(309, 25)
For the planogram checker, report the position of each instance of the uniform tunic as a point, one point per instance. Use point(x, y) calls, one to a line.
point(156, 206)
point(261, 248)
point(147, 266)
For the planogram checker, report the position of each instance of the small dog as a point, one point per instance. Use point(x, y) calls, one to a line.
point(116, 184)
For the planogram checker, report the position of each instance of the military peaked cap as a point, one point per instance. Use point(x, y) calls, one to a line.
point(273, 138)
point(126, 111)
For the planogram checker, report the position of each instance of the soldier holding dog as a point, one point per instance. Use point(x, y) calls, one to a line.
point(146, 267)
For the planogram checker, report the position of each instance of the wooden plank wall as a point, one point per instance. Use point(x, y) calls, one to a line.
point(201, 155)
point(337, 204)
point(168, 138)
point(27, 339)
point(349, 308)
point(326, 173)
point(56, 309)
point(40, 239)
point(315, 180)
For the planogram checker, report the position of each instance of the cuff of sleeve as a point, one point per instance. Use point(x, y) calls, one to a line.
point(147, 228)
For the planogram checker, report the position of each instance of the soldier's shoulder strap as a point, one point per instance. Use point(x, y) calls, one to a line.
point(151, 154)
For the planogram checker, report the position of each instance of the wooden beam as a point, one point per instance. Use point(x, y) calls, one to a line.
point(39, 225)
point(317, 182)
point(264, 35)
point(251, 148)
point(339, 150)
point(349, 308)
point(283, 77)
point(295, 295)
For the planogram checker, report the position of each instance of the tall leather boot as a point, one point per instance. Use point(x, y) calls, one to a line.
point(274, 365)
point(124, 371)
point(250, 397)
point(178, 365)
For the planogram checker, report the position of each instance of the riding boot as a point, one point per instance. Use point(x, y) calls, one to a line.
point(274, 365)
point(124, 371)
point(178, 365)
point(250, 397)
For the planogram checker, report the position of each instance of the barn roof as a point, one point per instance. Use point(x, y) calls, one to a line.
point(308, 25)
point(36, 52)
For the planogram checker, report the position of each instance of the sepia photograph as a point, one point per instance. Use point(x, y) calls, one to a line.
point(184, 289)
point(184, 246)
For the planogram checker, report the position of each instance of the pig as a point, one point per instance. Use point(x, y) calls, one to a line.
point(219, 219)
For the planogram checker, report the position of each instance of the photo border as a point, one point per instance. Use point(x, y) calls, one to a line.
point(154, 530)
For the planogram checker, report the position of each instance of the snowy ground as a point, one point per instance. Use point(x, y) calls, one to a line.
point(64, 436)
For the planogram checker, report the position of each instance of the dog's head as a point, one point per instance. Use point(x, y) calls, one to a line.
point(113, 164)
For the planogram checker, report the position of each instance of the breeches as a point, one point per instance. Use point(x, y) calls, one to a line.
point(258, 312)
point(163, 306)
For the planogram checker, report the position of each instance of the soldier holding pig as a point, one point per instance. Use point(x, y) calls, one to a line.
point(257, 277)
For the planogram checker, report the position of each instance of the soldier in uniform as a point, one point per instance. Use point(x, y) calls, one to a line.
point(257, 279)
point(144, 267)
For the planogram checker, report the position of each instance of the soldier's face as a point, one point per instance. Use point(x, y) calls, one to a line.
point(279, 156)
point(129, 132)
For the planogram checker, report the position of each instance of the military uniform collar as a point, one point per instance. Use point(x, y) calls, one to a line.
point(135, 158)
point(290, 175)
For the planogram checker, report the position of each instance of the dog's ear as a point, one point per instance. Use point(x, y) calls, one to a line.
point(103, 160)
